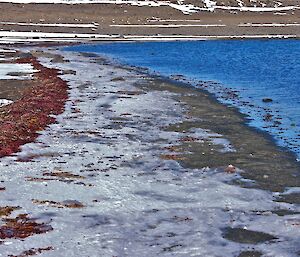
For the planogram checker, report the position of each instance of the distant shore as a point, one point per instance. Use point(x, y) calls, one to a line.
point(54, 23)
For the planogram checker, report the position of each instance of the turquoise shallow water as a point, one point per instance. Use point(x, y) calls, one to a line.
point(260, 77)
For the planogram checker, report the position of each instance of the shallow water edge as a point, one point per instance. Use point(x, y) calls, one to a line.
point(227, 69)
point(136, 166)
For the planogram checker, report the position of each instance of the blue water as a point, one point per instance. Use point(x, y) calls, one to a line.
point(239, 73)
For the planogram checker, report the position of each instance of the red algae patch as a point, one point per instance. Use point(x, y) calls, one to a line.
point(21, 227)
point(33, 251)
point(21, 120)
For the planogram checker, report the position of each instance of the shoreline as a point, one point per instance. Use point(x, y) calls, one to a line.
point(136, 155)
point(29, 38)
point(289, 155)
point(82, 22)
point(215, 96)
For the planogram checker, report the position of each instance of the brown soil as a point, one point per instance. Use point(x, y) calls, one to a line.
point(109, 14)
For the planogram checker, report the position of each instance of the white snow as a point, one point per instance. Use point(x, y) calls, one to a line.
point(7, 50)
point(258, 9)
point(269, 25)
point(19, 37)
point(25, 70)
point(4, 102)
point(210, 5)
point(215, 139)
point(174, 20)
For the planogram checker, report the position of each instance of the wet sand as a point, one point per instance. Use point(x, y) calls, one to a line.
point(140, 163)
point(13, 89)
point(272, 168)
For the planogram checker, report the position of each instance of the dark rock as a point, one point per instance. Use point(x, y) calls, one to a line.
point(267, 100)
point(118, 79)
point(250, 254)
point(246, 236)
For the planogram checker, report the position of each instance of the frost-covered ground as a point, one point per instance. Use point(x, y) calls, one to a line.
point(108, 157)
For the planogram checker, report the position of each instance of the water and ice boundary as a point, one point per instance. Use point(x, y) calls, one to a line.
point(263, 117)
point(134, 203)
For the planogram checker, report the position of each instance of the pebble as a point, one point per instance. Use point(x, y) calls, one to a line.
point(230, 169)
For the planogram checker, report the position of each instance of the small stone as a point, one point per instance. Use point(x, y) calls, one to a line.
point(267, 100)
point(230, 169)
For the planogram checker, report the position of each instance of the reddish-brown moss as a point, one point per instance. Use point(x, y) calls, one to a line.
point(21, 120)
point(7, 210)
point(21, 227)
point(33, 251)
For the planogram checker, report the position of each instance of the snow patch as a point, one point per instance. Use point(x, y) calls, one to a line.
point(4, 102)
point(21, 37)
point(215, 139)
point(16, 71)
point(269, 25)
